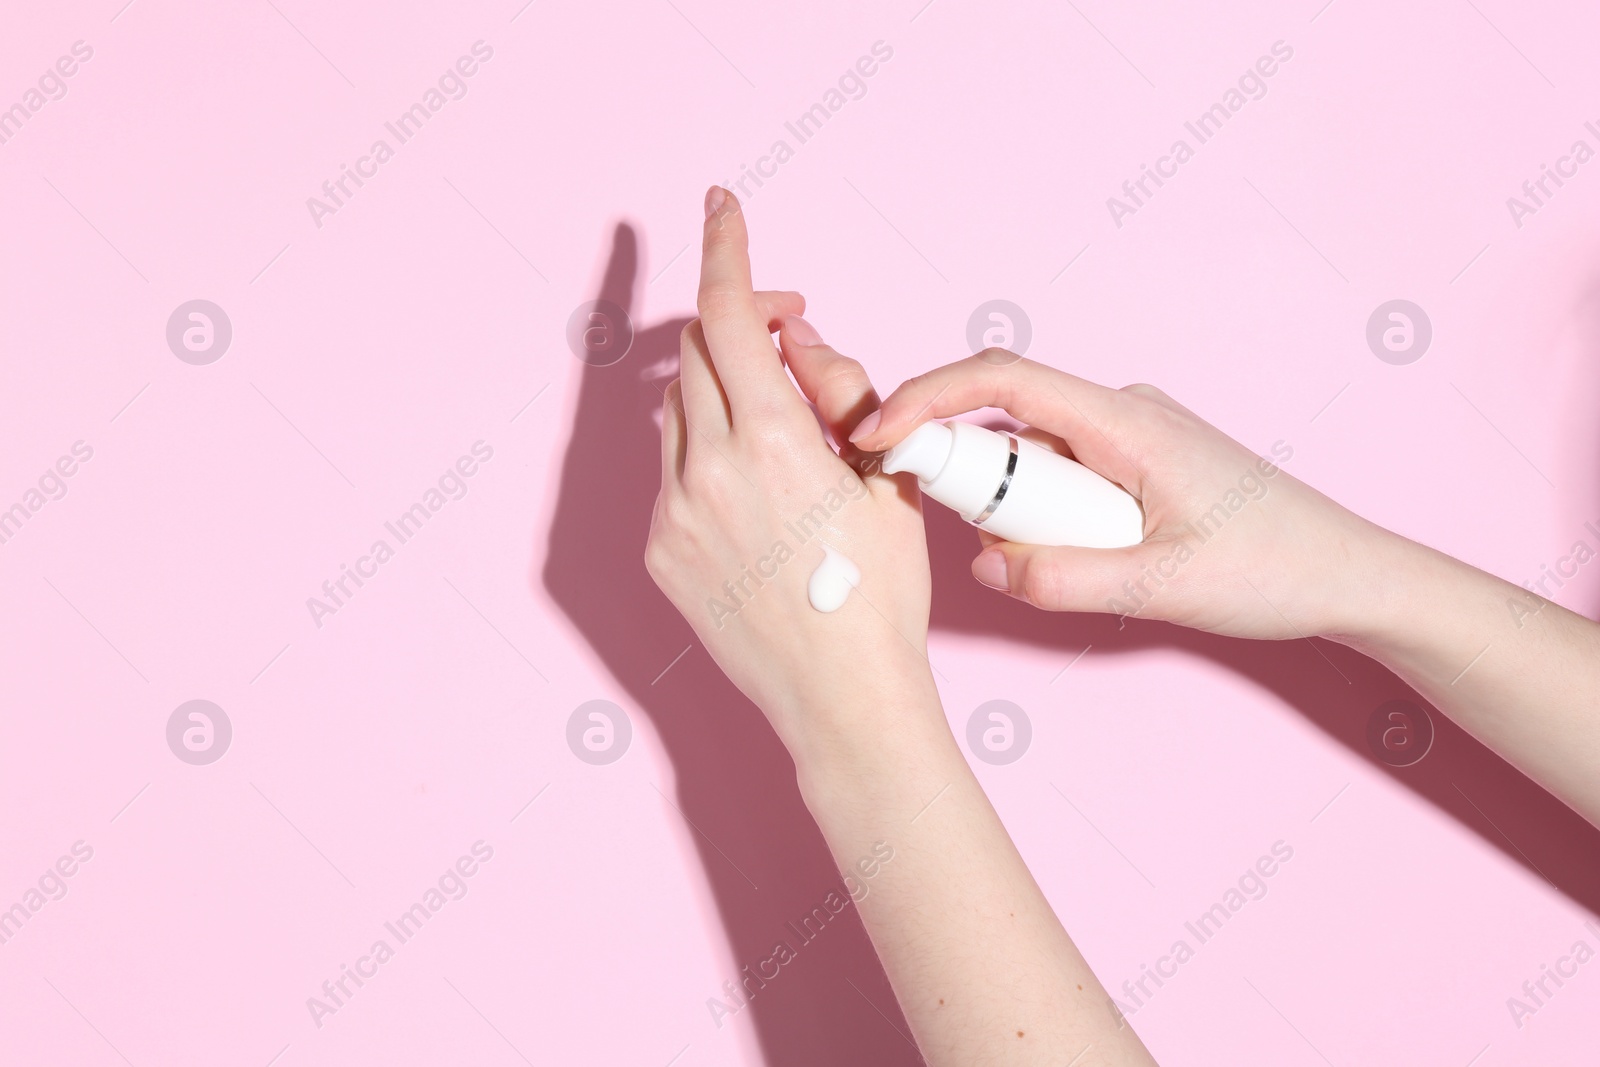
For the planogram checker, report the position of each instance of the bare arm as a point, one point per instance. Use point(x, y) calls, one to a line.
point(983, 969)
point(1236, 546)
point(751, 492)
point(1519, 673)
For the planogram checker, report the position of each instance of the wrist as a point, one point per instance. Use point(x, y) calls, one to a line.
point(862, 739)
point(1386, 590)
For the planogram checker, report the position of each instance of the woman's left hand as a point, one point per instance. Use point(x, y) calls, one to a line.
point(751, 491)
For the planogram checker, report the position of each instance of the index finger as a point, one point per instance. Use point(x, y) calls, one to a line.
point(737, 333)
point(1088, 417)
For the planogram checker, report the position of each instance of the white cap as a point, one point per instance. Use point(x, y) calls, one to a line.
point(958, 464)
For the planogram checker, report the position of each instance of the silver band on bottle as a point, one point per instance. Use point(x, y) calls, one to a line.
point(1005, 483)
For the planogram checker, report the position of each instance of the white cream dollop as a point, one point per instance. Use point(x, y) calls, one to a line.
point(832, 581)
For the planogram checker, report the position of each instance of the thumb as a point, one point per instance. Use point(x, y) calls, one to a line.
point(1066, 579)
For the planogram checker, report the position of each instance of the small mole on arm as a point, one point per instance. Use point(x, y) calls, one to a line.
point(1080, 988)
point(1019, 1033)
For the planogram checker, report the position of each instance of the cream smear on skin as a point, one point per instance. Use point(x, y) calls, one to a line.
point(832, 581)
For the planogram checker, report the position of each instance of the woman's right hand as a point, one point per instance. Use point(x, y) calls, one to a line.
point(1232, 544)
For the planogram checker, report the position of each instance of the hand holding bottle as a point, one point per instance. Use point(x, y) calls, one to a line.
point(1232, 544)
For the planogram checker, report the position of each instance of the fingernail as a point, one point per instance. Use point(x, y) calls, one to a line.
point(990, 569)
point(867, 427)
point(802, 331)
point(714, 198)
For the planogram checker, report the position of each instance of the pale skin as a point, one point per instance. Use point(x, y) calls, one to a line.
point(1520, 674)
point(984, 971)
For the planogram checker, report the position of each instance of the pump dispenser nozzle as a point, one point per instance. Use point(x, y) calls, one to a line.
point(923, 453)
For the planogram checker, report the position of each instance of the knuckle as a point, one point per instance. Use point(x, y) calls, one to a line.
point(842, 374)
point(676, 514)
point(706, 482)
point(1042, 582)
point(771, 437)
point(718, 300)
point(998, 357)
point(1159, 411)
point(675, 511)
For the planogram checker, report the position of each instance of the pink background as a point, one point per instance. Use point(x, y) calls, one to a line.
point(429, 313)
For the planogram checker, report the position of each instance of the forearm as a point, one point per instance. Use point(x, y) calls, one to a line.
point(1520, 674)
point(983, 970)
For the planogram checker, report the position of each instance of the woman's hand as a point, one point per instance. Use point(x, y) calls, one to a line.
point(751, 491)
point(1232, 544)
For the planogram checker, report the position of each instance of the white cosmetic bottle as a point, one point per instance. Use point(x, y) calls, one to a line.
point(1015, 489)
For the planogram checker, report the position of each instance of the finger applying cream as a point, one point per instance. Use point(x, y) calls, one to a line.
point(832, 581)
